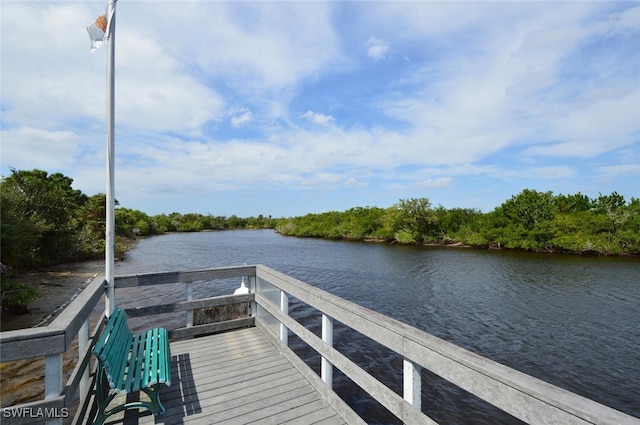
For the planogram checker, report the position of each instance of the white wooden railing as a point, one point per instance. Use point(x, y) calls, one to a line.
point(52, 342)
point(524, 397)
point(527, 398)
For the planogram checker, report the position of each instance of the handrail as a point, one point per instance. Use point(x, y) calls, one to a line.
point(51, 342)
point(132, 280)
point(521, 395)
point(525, 397)
point(55, 339)
point(58, 335)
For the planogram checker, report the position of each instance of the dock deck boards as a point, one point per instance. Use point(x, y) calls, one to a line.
point(236, 377)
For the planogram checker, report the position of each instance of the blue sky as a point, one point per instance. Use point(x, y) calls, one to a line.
point(286, 108)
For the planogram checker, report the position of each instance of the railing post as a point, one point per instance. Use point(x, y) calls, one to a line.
point(189, 298)
point(252, 290)
point(53, 381)
point(83, 346)
point(284, 307)
point(326, 368)
point(412, 383)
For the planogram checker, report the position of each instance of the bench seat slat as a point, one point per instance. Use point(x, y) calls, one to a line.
point(154, 375)
point(149, 357)
point(164, 358)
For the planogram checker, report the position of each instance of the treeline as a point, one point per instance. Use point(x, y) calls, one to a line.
point(127, 221)
point(45, 221)
point(531, 220)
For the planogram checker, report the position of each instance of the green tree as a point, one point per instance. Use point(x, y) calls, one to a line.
point(449, 222)
point(40, 218)
point(163, 223)
point(127, 220)
point(572, 203)
point(92, 217)
point(529, 208)
point(613, 208)
point(414, 220)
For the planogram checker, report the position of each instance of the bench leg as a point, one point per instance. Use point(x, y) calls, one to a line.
point(104, 396)
point(156, 406)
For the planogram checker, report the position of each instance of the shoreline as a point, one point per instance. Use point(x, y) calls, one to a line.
point(461, 245)
point(58, 286)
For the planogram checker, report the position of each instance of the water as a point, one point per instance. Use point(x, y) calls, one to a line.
point(570, 320)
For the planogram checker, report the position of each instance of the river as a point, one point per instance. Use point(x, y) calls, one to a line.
point(573, 321)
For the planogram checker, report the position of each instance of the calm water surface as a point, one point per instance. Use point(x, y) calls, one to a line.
point(570, 320)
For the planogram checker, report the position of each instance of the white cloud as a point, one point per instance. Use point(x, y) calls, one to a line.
point(435, 183)
point(28, 148)
point(620, 170)
point(317, 118)
point(55, 78)
point(244, 117)
point(488, 85)
point(376, 49)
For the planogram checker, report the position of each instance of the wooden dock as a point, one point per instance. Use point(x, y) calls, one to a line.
point(241, 370)
point(236, 377)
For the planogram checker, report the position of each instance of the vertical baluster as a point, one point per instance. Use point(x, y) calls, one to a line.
point(189, 298)
point(252, 290)
point(326, 368)
point(284, 307)
point(53, 381)
point(412, 383)
point(83, 346)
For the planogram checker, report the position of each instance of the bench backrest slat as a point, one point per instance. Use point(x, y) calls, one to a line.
point(113, 348)
point(135, 363)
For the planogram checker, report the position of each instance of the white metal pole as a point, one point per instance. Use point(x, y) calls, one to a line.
point(110, 241)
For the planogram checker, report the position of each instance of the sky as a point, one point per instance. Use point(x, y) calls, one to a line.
point(287, 108)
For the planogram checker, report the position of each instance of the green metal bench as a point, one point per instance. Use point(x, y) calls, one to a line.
point(129, 362)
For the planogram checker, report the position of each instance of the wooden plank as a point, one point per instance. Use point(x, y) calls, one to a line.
point(321, 414)
point(331, 397)
point(211, 328)
point(189, 305)
point(209, 389)
point(215, 301)
point(76, 313)
point(304, 413)
point(84, 361)
point(331, 420)
point(521, 395)
point(389, 399)
point(237, 377)
point(31, 343)
point(374, 325)
point(259, 410)
point(211, 402)
point(127, 281)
